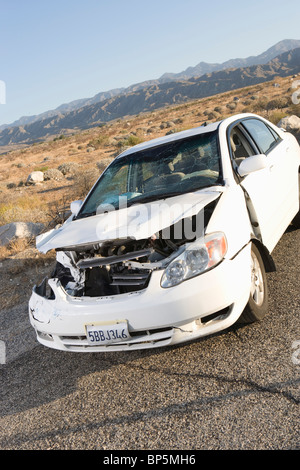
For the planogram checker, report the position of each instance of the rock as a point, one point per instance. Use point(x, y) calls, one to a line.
point(53, 174)
point(35, 177)
point(15, 230)
point(290, 123)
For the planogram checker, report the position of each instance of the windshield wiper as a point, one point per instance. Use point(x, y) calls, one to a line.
point(152, 197)
point(84, 214)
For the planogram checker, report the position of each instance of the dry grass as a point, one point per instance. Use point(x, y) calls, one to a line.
point(22, 209)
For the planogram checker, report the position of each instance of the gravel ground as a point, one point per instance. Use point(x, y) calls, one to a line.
point(235, 390)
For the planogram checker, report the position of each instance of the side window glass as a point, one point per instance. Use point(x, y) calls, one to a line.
point(275, 135)
point(240, 146)
point(261, 134)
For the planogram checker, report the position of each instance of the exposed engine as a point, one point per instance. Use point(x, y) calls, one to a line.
point(123, 265)
point(114, 267)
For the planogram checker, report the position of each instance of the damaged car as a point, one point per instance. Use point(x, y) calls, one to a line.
point(173, 242)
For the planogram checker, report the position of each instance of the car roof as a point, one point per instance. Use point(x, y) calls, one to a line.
point(171, 138)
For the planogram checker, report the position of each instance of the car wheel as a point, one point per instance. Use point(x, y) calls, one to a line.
point(296, 220)
point(257, 306)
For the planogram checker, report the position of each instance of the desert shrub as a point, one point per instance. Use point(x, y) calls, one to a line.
point(278, 103)
point(83, 182)
point(294, 109)
point(58, 210)
point(102, 164)
point(69, 168)
point(211, 116)
point(218, 109)
point(276, 117)
point(132, 140)
point(260, 105)
point(41, 168)
point(62, 136)
point(231, 106)
point(98, 142)
point(53, 174)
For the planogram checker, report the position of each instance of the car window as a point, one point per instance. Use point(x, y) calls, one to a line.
point(114, 182)
point(261, 134)
point(179, 166)
point(240, 146)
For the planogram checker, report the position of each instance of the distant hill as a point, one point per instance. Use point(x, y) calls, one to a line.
point(143, 98)
point(204, 67)
point(201, 69)
point(64, 108)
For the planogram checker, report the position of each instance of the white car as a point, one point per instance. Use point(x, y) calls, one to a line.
point(173, 241)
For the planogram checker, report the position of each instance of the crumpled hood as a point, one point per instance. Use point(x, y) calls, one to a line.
point(139, 221)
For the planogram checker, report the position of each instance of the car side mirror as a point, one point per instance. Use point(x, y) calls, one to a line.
point(252, 164)
point(75, 207)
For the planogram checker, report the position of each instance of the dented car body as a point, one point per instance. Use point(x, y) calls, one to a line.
point(173, 241)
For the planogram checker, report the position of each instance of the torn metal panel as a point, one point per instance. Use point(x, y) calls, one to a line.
point(136, 222)
point(93, 262)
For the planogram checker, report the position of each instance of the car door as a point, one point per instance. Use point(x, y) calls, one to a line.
point(281, 179)
point(268, 188)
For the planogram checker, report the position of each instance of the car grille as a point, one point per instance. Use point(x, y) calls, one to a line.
point(130, 279)
point(139, 340)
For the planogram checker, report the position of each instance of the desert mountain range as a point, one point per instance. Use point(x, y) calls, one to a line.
point(200, 81)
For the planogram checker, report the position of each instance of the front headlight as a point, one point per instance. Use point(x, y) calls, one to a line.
point(198, 257)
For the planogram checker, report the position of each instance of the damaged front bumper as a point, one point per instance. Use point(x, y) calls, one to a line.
point(154, 317)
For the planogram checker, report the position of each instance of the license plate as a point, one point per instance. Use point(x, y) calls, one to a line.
point(107, 333)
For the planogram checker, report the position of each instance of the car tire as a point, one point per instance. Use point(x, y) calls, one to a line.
point(257, 306)
point(296, 219)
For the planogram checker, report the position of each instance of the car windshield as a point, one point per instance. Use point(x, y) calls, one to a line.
point(157, 173)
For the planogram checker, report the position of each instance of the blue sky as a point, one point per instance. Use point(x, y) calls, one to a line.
point(53, 52)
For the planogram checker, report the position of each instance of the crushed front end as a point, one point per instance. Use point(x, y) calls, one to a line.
point(110, 297)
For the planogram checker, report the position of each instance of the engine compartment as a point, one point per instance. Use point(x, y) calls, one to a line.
point(113, 268)
point(123, 265)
